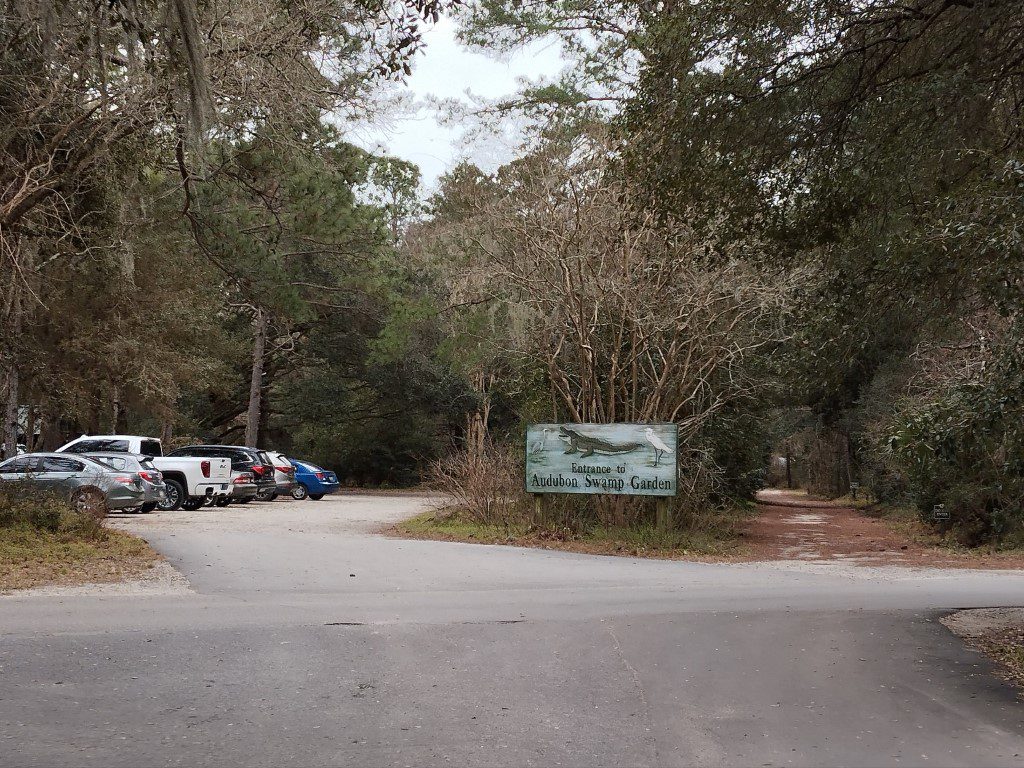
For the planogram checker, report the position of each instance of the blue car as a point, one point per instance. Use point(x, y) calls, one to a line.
point(312, 482)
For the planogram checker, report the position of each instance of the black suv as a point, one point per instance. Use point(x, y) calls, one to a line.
point(242, 460)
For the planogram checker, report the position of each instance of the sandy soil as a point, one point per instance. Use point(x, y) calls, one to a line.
point(160, 579)
point(790, 526)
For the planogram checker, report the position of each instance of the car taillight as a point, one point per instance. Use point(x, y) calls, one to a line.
point(206, 468)
point(286, 470)
point(152, 477)
point(258, 469)
point(124, 479)
point(243, 478)
point(321, 476)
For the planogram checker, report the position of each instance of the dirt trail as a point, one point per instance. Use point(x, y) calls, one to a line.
point(791, 526)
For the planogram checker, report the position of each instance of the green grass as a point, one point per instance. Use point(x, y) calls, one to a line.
point(717, 535)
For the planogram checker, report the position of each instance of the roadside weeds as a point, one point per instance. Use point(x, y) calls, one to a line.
point(33, 558)
point(716, 540)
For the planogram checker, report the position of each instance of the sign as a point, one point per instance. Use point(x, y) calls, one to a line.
point(939, 512)
point(626, 459)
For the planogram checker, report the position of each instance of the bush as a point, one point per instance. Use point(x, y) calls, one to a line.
point(964, 449)
point(23, 505)
point(489, 488)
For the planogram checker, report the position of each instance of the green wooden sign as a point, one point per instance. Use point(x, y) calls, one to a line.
point(628, 459)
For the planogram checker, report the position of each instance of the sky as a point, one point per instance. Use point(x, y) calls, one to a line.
point(446, 70)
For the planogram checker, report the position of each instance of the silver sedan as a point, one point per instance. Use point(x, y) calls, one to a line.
point(142, 468)
point(91, 486)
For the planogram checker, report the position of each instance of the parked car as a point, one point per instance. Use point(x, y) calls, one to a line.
point(91, 486)
point(313, 482)
point(284, 473)
point(242, 459)
point(189, 482)
point(243, 486)
point(137, 464)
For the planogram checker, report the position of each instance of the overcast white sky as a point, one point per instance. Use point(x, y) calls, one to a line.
point(447, 70)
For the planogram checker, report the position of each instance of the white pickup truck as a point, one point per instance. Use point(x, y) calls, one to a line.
point(191, 482)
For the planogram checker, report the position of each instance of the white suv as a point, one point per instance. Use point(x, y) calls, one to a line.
point(284, 473)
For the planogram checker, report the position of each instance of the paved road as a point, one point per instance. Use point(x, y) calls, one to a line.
point(307, 640)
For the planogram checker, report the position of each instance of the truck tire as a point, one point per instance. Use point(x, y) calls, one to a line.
point(174, 496)
point(300, 492)
point(193, 503)
point(148, 507)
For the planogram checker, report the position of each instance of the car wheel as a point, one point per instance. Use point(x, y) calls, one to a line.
point(192, 504)
point(299, 492)
point(148, 507)
point(90, 501)
point(174, 496)
point(316, 496)
point(222, 502)
point(244, 501)
point(265, 495)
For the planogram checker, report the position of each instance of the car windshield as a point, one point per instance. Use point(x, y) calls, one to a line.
point(99, 445)
point(18, 464)
point(113, 462)
point(93, 463)
point(150, 448)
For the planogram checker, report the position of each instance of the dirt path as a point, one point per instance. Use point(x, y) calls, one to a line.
point(790, 526)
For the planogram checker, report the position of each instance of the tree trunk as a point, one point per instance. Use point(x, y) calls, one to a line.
point(252, 423)
point(115, 411)
point(52, 433)
point(12, 377)
point(477, 422)
point(10, 431)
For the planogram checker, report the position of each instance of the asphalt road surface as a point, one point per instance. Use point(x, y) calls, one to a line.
point(307, 640)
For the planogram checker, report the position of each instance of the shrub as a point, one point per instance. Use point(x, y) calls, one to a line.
point(488, 488)
point(964, 449)
point(23, 505)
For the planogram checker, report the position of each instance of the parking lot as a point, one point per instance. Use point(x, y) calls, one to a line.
point(338, 514)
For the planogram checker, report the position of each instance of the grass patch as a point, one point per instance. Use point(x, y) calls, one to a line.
point(863, 501)
point(43, 541)
point(907, 522)
point(715, 536)
point(30, 557)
